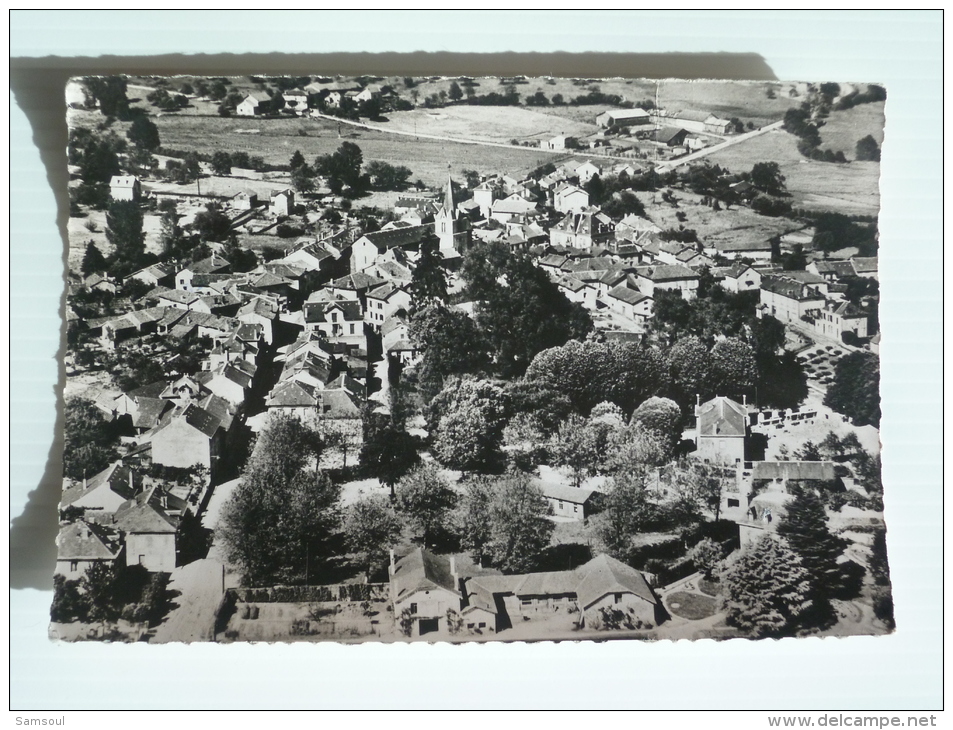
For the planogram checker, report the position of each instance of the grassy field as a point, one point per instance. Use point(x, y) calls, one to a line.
point(849, 189)
point(738, 224)
point(842, 129)
point(746, 100)
point(275, 140)
point(491, 124)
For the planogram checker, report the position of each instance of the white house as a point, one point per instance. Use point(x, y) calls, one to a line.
point(568, 198)
point(296, 100)
point(253, 105)
point(124, 187)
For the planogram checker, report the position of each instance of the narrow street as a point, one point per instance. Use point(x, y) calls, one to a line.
point(199, 585)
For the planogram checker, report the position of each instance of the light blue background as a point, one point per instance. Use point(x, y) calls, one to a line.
point(900, 49)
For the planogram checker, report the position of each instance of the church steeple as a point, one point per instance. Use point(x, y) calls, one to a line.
point(447, 207)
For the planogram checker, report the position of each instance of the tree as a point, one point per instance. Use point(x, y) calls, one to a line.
point(867, 149)
point(520, 529)
point(297, 160)
point(388, 452)
point(627, 510)
point(596, 189)
point(279, 524)
point(212, 224)
point(766, 591)
point(475, 518)
point(450, 343)
point(470, 415)
point(221, 163)
point(384, 176)
point(99, 161)
point(855, 391)
point(144, 134)
point(124, 231)
point(706, 555)
point(734, 370)
point(804, 528)
point(455, 93)
point(426, 498)
point(691, 367)
point(343, 165)
point(371, 528)
point(575, 447)
point(68, 603)
point(93, 260)
point(99, 587)
point(591, 372)
point(526, 315)
point(483, 264)
point(110, 93)
point(661, 416)
point(428, 284)
point(191, 167)
point(302, 179)
point(88, 439)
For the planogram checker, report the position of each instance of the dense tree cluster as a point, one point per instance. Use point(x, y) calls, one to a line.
point(280, 523)
point(504, 522)
point(89, 439)
point(855, 391)
point(767, 590)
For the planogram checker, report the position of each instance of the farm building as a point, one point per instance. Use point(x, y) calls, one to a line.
point(569, 502)
point(622, 117)
point(253, 105)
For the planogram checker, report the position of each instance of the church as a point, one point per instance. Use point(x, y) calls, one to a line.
point(451, 225)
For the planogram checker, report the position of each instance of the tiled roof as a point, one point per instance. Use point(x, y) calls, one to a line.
point(145, 514)
point(603, 575)
point(865, 264)
point(421, 570)
point(406, 236)
point(667, 272)
point(722, 416)
point(83, 541)
point(629, 296)
point(564, 493)
point(291, 394)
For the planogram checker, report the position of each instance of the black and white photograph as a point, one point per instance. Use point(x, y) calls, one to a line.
point(468, 358)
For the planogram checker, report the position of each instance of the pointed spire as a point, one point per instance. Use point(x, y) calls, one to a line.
point(448, 195)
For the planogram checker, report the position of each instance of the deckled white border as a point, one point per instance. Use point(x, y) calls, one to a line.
point(899, 49)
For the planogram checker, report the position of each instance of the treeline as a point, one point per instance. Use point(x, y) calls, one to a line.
point(797, 122)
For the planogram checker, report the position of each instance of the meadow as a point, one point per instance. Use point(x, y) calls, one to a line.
point(842, 129)
point(852, 189)
point(486, 123)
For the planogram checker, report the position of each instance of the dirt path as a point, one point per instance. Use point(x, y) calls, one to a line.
point(665, 167)
point(200, 587)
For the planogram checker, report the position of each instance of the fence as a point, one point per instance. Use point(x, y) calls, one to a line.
point(343, 592)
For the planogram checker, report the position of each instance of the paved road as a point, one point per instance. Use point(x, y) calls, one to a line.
point(666, 166)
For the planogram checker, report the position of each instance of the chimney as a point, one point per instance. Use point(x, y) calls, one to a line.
point(132, 484)
point(453, 572)
point(393, 562)
point(744, 401)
